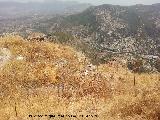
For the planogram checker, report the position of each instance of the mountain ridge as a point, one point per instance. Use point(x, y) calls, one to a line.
point(122, 22)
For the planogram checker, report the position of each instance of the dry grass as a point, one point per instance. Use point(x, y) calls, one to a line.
point(47, 78)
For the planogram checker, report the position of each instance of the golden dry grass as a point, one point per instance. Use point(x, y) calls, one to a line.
point(46, 78)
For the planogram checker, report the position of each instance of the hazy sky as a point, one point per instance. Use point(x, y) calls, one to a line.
point(97, 2)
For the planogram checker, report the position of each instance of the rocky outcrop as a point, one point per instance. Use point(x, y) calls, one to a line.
point(5, 56)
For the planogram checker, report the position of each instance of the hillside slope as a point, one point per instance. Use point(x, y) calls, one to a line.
point(43, 78)
point(101, 32)
point(119, 29)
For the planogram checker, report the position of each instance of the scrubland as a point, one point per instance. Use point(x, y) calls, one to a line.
point(38, 78)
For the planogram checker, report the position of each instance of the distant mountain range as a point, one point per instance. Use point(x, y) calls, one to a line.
point(10, 9)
